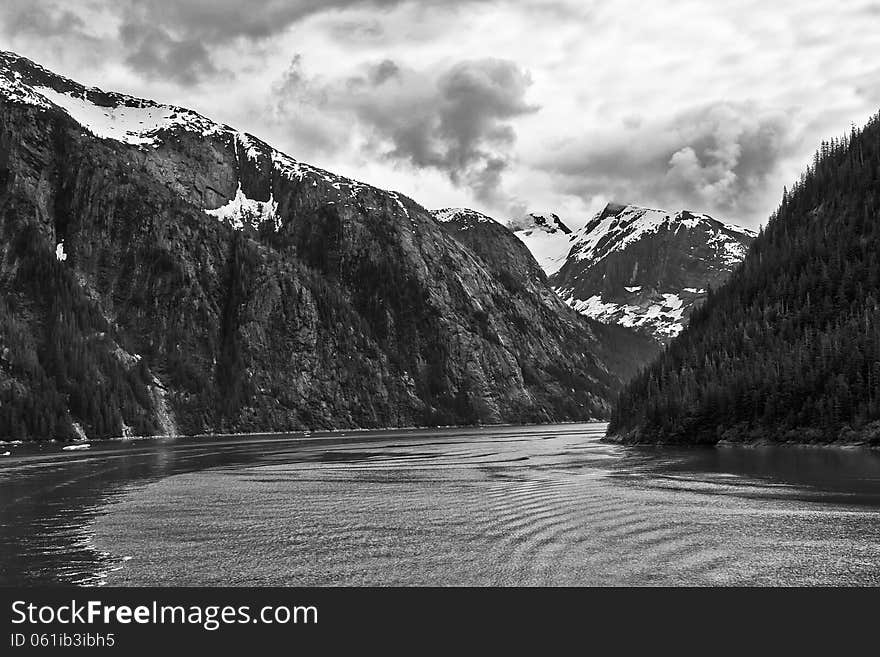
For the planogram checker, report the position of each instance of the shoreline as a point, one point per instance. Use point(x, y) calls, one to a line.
point(747, 444)
point(322, 434)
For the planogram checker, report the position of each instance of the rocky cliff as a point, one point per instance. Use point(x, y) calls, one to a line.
point(162, 273)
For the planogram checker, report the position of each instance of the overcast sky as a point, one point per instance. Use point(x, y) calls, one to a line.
point(503, 106)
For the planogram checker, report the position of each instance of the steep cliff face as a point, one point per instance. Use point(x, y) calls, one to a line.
point(648, 269)
point(160, 272)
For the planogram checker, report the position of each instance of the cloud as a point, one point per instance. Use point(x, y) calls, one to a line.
point(40, 19)
point(154, 52)
point(718, 157)
point(214, 20)
point(176, 37)
point(455, 120)
point(383, 72)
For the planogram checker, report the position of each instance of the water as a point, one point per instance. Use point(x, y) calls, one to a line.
point(544, 505)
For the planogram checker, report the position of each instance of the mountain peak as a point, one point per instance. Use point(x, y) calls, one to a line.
point(546, 237)
point(617, 226)
point(648, 268)
point(548, 222)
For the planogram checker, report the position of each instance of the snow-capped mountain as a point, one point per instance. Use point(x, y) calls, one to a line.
point(647, 269)
point(546, 237)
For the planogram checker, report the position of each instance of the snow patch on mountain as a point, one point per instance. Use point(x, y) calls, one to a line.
point(13, 88)
point(661, 315)
point(546, 236)
point(464, 216)
point(730, 251)
point(242, 211)
point(135, 125)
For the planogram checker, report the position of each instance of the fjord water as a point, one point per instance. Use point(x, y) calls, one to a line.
point(547, 505)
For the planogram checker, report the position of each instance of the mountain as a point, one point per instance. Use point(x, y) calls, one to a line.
point(546, 237)
point(510, 261)
point(648, 269)
point(635, 267)
point(789, 348)
point(163, 273)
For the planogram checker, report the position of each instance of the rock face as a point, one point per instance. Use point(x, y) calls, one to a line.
point(641, 268)
point(160, 272)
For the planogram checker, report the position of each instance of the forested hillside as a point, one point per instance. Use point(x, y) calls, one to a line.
point(789, 348)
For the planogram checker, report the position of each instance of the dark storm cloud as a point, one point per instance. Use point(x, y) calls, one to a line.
point(383, 72)
point(717, 157)
point(39, 19)
point(154, 52)
point(174, 38)
point(41, 29)
point(455, 120)
point(215, 20)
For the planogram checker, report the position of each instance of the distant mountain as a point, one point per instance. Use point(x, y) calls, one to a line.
point(163, 273)
point(648, 269)
point(789, 348)
point(635, 267)
point(546, 237)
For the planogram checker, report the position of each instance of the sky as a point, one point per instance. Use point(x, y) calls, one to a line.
point(504, 106)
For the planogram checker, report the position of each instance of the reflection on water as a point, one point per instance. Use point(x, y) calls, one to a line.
point(497, 506)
